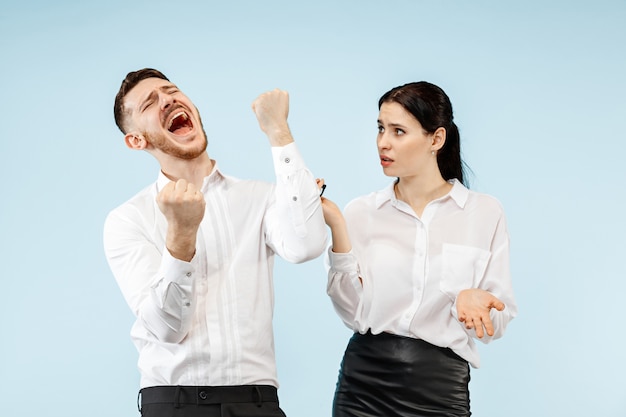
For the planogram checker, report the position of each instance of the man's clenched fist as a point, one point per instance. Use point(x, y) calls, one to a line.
point(183, 206)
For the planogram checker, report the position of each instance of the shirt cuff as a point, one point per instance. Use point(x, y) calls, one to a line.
point(287, 160)
point(342, 262)
point(175, 270)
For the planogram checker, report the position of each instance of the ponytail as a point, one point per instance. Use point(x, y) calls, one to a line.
point(449, 156)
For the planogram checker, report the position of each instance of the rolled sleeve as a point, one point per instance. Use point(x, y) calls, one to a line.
point(295, 224)
point(287, 163)
point(344, 287)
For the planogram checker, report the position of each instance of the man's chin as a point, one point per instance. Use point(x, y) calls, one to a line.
point(189, 153)
point(168, 147)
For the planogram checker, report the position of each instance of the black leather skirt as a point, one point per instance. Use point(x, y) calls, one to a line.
point(386, 375)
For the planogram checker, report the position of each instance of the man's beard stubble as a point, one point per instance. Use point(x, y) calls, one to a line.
point(169, 148)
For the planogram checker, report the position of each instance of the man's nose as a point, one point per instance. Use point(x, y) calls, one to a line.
point(165, 100)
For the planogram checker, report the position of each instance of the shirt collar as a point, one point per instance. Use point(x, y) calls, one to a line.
point(214, 177)
point(458, 194)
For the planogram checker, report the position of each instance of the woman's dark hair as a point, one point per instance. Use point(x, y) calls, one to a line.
point(431, 107)
point(132, 79)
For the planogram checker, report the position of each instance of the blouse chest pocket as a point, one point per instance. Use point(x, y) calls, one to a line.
point(462, 267)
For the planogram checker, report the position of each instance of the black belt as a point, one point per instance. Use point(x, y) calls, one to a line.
point(208, 395)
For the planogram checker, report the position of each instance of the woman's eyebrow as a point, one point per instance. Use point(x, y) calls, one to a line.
point(391, 124)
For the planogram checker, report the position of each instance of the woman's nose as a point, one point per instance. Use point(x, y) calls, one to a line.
point(382, 142)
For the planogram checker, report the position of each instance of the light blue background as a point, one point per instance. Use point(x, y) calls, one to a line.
point(538, 90)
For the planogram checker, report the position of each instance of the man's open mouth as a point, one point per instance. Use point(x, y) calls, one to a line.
point(180, 124)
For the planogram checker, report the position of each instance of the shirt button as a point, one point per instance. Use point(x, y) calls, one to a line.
point(287, 160)
point(202, 395)
point(188, 274)
point(294, 198)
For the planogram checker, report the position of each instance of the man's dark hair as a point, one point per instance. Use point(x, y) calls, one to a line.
point(132, 79)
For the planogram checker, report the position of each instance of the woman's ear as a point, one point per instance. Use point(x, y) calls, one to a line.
point(439, 139)
point(135, 141)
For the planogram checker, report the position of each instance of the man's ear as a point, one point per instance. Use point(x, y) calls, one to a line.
point(135, 141)
point(439, 139)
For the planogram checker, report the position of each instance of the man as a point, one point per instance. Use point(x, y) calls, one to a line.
point(193, 254)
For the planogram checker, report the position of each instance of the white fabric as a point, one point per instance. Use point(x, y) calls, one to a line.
point(209, 321)
point(413, 268)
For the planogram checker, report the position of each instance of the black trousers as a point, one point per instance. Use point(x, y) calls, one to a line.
point(388, 375)
point(192, 401)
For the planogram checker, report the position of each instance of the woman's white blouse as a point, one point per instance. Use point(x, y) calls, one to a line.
point(413, 268)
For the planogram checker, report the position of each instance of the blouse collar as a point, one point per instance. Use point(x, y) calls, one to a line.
point(458, 193)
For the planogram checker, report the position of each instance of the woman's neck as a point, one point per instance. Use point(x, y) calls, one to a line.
point(418, 192)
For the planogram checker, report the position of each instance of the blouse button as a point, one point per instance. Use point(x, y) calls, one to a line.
point(287, 160)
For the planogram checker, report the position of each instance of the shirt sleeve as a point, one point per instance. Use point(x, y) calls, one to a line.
point(497, 281)
point(344, 287)
point(158, 287)
point(294, 223)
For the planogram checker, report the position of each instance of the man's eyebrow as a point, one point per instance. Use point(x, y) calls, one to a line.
point(153, 93)
point(148, 98)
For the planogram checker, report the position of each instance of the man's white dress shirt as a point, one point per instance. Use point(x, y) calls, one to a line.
point(209, 321)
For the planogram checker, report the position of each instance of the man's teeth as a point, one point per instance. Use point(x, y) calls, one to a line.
point(176, 116)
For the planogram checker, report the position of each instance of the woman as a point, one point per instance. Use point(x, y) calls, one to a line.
point(418, 270)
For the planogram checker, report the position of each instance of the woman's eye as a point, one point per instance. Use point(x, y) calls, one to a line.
point(399, 132)
point(381, 129)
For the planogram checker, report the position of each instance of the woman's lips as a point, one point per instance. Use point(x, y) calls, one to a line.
point(385, 161)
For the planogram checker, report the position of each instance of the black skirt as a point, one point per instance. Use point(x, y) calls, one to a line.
point(388, 375)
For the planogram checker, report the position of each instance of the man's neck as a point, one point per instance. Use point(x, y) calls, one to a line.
point(192, 170)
